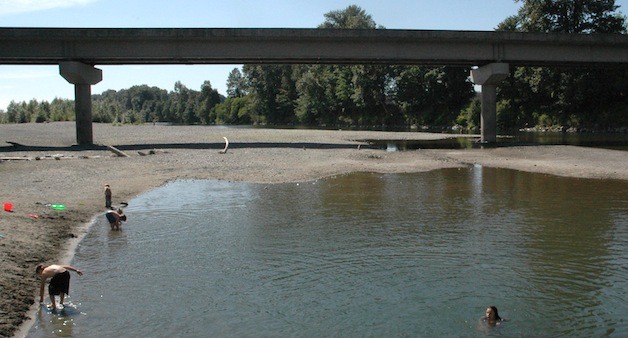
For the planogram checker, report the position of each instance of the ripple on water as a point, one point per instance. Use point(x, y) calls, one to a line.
point(359, 255)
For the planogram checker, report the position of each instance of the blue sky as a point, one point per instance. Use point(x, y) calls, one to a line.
point(23, 83)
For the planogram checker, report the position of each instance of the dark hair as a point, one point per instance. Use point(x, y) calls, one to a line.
point(494, 309)
point(39, 268)
point(123, 217)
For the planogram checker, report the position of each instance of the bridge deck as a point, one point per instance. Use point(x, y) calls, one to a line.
point(117, 46)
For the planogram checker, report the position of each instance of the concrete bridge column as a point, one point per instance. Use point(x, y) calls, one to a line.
point(83, 76)
point(489, 76)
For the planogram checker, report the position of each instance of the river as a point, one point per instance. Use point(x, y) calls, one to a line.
point(358, 255)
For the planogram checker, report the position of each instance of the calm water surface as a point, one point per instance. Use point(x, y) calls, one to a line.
point(618, 141)
point(356, 256)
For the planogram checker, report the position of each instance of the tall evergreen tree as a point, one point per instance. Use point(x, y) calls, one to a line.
point(274, 92)
point(208, 98)
point(236, 84)
point(360, 90)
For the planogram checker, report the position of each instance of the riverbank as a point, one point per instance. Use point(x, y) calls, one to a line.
point(47, 169)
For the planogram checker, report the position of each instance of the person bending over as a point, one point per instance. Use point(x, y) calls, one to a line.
point(59, 281)
point(115, 218)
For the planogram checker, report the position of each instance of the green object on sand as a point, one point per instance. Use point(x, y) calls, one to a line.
point(58, 206)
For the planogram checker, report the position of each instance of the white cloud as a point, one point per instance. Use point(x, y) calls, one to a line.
point(23, 6)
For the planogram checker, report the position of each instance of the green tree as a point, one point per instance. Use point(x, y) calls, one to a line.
point(12, 112)
point(62, 110)
point(432, 95)
point(236, 84)
point(274, 92)
point(184, 104)
point(315, 102)
point(469, 117)
point(43, 112)
point(567, 97)
point(352, 17)
point(106, 107)
point(208, 98)
point(369, 94)
point(234, 110)
point(345, 109)
point(570, 16)
point(360, 91)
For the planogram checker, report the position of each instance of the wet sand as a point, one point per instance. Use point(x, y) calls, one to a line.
point(47, 169)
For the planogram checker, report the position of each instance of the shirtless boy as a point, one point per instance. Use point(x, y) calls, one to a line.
point(59, 281)
point(115, 218)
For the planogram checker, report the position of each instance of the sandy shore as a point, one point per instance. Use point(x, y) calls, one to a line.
point(53, 171)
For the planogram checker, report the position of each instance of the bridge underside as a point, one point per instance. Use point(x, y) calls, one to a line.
point(84, 76)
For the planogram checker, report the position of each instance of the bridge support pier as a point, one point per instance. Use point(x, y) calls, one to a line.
point(489, 76)
point(83, 76)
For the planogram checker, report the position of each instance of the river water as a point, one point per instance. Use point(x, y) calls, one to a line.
point(359, 255)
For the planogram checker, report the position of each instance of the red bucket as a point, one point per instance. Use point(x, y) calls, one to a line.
point(8, 207)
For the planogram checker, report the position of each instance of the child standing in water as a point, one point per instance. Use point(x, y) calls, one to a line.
point(107, 196)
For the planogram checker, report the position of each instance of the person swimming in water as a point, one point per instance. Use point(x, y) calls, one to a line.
point(492, 316)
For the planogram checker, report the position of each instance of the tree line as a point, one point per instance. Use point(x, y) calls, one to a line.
point(378, 96)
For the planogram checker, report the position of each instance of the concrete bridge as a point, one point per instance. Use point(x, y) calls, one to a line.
point(78, 50)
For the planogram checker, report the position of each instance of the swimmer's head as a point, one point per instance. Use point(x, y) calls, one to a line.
point(491, 313)
point(123, 217)
point(39, 268)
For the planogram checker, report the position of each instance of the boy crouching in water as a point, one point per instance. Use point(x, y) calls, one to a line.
point(59, 281)
point(115, 218)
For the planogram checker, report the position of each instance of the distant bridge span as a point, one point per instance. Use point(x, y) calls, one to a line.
point(119, 46)
point(78, 50)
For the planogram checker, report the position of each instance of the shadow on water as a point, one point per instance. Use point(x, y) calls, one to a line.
point(404, 145)
point(606, 141)
point(447, 143)
point(616, 141)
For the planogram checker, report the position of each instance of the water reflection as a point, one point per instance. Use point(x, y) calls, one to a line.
point(617, 141)
point(570, 269)
point(361, 255)
point(59, 322)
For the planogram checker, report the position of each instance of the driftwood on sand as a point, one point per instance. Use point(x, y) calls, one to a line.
point(117, 151)
point(224, 151)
